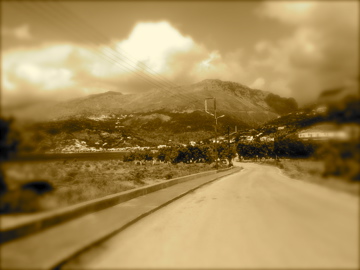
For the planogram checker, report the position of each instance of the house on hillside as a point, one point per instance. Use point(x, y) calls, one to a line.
point(246, 138)
point(162, 146)
point(330, 131)
point(321, 109)
point(266, 139)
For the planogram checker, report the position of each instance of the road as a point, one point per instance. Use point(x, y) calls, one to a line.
point(257, 218)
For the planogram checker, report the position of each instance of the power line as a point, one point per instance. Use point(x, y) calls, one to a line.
point(129, 57)
point(135, 61)
point(97, 51)
point(80, 22)
point(113, 58)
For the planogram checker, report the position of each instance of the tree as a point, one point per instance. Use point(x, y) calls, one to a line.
point(292, 147)
point(227, 151)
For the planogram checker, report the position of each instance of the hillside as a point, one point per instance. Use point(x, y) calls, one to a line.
point(113, 119)
point(345, 110)
point(248, 105)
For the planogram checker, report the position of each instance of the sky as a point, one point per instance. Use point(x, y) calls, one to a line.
point(63, 50)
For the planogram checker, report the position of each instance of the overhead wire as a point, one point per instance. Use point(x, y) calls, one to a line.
point(121, 61)
point(97, 51)
point(113, 58)
point(124, 53)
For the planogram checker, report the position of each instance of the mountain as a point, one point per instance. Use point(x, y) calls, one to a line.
point(160, 116)
point(235, 100)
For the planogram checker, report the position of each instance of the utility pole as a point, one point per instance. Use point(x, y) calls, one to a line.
point(216, 118)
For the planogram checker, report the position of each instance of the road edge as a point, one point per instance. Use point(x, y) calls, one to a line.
point(62, 215)
point(59, 265)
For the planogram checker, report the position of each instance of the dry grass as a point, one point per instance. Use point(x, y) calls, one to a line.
point(78, 181)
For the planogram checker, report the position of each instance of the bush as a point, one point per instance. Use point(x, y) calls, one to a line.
point(341, 159)
point(169, 175)
point(294, 148)
point(137, 175)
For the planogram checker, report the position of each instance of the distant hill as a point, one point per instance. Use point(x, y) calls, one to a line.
point(345, 110)
point(248, 105)
point(159, 116)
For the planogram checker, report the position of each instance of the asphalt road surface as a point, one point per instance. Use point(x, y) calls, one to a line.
point(257, 218)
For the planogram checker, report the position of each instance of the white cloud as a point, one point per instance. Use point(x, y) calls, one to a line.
point(47, 78)
point(44, 67)
point(154, 42)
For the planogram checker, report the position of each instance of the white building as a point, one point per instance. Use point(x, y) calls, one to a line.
point(327, 131)
point(161, 146)
point(266, 139)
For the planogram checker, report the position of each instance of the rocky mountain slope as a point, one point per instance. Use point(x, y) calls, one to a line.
point(160, 116)
point(245, 104)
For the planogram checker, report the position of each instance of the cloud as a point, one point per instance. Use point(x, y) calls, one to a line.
point(48, 78)
point(153, 54)
point(154, 42)
point(321, 53)
point(291, 12)
point(21, 32)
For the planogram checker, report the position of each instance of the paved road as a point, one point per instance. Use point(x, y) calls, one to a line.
point(257, 218)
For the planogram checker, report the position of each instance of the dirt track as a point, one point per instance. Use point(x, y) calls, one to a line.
point(257, 218)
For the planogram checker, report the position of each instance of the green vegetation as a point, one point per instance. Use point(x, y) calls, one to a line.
point(340, 159)
point(281, 148)
point(281, 105)
point(185, 154)
point(76, 181)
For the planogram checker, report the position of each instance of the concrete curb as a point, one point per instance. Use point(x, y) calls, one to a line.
point(123, 227)
point(65, 214)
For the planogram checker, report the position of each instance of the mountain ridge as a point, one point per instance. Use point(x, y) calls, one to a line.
point(251, 106)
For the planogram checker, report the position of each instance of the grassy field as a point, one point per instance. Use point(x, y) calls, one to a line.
point(312, 171)
point(77, 181)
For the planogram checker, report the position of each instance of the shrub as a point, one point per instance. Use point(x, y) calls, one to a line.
point(137, 175)
point(169, 175)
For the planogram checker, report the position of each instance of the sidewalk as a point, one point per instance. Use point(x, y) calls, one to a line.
point(51, 247)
